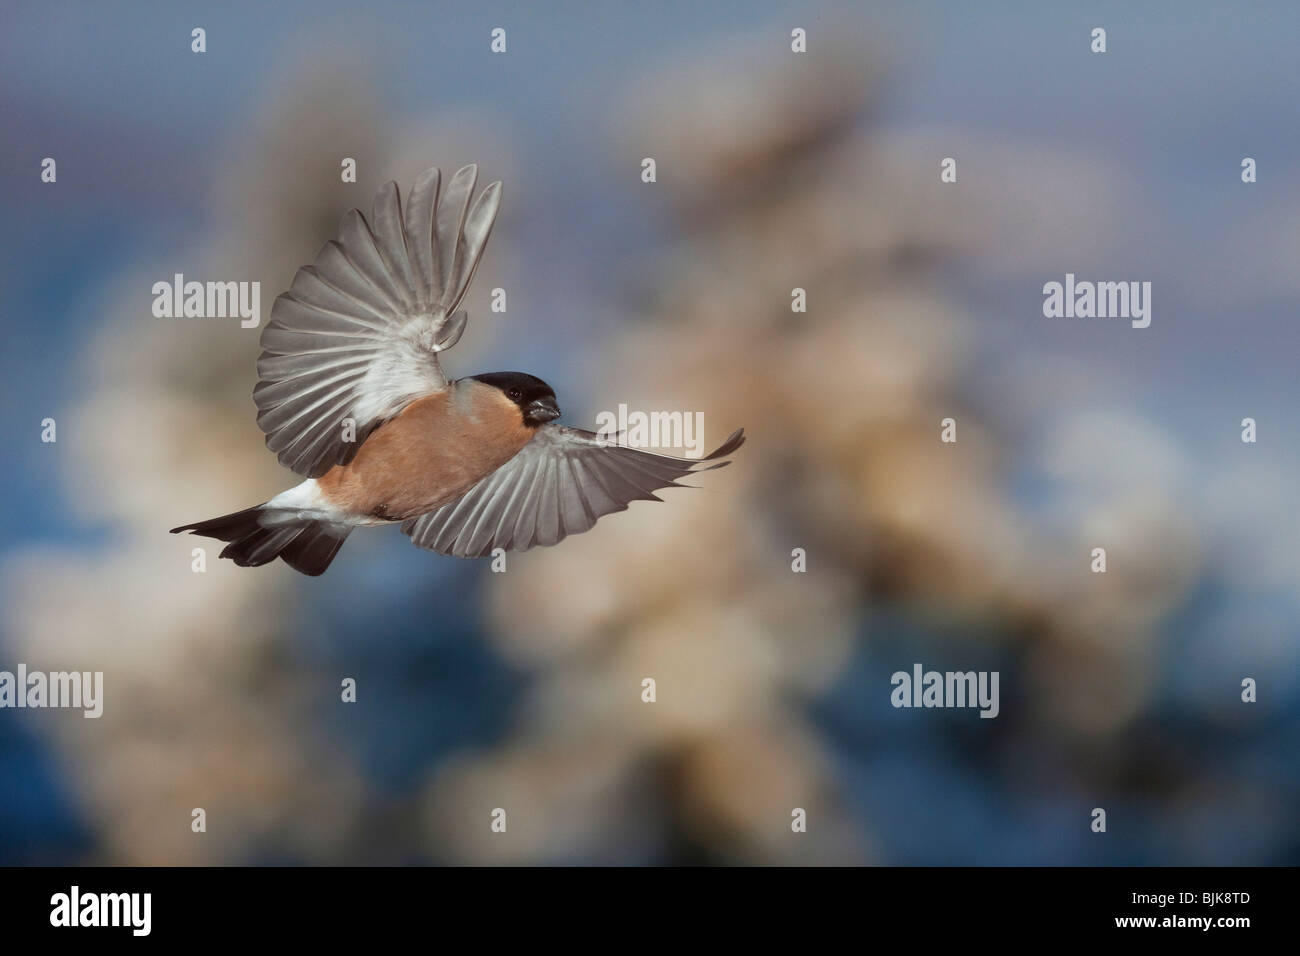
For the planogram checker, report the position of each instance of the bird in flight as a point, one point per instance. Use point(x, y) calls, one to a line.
point(351, 396)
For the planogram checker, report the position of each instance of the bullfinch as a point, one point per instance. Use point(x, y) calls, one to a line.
point(351, 396)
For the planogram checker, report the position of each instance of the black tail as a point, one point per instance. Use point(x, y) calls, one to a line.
point(259, 535)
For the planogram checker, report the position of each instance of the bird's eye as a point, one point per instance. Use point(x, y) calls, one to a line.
point(515, 394)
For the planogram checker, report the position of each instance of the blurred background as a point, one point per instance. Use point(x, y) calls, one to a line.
point(775, 170)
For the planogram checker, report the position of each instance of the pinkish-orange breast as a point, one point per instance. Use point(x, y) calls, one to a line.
point(431, 453)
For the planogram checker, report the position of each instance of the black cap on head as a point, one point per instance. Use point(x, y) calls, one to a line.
point(536, 399)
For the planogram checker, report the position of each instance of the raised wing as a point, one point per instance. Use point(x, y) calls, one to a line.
point(356, 337)
point(558, 485)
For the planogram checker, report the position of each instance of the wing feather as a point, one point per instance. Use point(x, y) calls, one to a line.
point(561, 483)
point(356, 336)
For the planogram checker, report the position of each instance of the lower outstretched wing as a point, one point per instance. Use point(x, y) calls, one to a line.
point(559, 484)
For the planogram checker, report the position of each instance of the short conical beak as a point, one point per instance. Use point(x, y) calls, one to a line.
point(543, 410)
